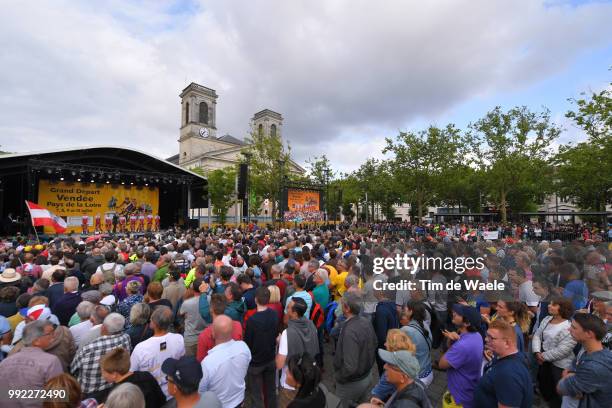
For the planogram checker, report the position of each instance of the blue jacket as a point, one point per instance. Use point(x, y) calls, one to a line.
point(592, 380)
point(385, 318)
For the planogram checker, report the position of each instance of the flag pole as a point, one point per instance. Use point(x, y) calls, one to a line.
point(32, 221)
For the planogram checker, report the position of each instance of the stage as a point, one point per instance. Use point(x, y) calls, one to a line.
point(95, 183)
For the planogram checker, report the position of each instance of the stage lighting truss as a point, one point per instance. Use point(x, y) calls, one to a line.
point(98, 174)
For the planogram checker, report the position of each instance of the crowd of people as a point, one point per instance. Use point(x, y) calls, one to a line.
point(254, 318)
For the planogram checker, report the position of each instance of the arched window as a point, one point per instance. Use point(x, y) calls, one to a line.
point(260, 130)
point(203, 112)
point(186, 112)
point(273, 131)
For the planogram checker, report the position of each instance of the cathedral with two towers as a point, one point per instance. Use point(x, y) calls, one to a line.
point(199, 142)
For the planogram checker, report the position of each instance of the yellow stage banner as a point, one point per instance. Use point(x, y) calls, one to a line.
point(75, 200)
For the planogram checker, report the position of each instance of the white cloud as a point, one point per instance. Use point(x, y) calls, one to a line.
point(91, 73)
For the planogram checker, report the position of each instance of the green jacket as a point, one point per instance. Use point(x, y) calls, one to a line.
point(161, 273)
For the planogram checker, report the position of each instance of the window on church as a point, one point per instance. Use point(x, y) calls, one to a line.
point(187, 113)
point(273, 131)
point(203, 112)
point(260, 130)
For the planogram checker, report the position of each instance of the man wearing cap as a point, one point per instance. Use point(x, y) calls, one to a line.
point(184, 377)
point(32, 367)
point(463, 360)
point(508, 381)
point(402, 370)
point(598, 304)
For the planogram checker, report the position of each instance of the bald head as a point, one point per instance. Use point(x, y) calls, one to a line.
point(222, 329)
point(96, 279)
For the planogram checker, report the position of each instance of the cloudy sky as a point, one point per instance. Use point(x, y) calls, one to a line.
point(344, 74)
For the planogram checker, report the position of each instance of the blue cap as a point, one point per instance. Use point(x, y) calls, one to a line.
point(470, 313)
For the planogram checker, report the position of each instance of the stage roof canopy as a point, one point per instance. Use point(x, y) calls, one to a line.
point(111, 157)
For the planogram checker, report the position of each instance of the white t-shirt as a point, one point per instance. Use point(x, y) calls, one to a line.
point(151, 353)
point(79, 330)
point(527, 295)
point(283, 350)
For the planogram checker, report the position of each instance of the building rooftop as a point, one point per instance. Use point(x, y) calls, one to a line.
point(267, 112)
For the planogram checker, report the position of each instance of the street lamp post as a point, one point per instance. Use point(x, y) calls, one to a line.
point(247, 207)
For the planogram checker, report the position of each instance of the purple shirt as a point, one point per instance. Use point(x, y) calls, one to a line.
point(120, 288)
point(465, 359)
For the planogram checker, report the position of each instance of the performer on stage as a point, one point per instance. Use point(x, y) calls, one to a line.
point(141, 220)
point(85, 224)
point(122, 222)
point(156, 222)
point(97, 224)
point(149, 222)
point(108, 222)
point(133, 219)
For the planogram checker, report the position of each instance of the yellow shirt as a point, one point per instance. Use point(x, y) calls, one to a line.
point(14, 320)
point(338, 284)
point(191, 275)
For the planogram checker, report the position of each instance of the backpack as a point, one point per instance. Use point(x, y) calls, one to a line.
point(109, 275)
point(317, 316)
point(330, 316)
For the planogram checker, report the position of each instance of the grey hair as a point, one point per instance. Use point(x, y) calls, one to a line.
point(105, 288)
point(139, 314)
point(314, 264)
point(34, 330)
point(352, 301)
point(162, 317)
point(119, 275)
point(71, 284)
point(351, 280)
point(126, 395)
point(98, 314)
point(114, 323)
point(84, 310)
point(322, 273)
point(130, 269)
point(276, 269)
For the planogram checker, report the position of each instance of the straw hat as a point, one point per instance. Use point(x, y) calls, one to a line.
point(10, 275)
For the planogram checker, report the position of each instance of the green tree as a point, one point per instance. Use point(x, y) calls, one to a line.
point(513, 150)
point(321, 174)
point(347, 211)
point(221, 189)
point(319, 170)
point(583, 170)
point(423, 160)
point(268, 165)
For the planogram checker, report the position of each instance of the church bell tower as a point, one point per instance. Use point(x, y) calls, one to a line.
point(198, 117)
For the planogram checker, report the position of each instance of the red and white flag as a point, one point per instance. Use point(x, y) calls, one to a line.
point(42, 216)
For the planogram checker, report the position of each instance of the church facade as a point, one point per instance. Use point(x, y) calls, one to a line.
point(199, 142)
